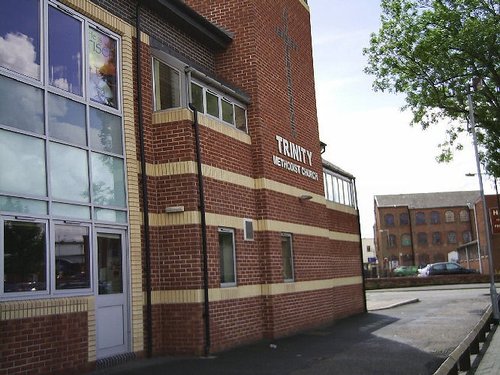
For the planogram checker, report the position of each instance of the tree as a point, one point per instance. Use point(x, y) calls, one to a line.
point(431, 50)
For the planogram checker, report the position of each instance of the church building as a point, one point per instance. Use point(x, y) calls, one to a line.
point(162, 189)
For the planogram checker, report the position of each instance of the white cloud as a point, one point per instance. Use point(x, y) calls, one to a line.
point(17, 53)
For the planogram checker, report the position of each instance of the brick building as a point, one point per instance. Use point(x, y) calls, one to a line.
point(417, 229)
point(166, 199)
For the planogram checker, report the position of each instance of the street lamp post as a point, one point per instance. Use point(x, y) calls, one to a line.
point(493, 290)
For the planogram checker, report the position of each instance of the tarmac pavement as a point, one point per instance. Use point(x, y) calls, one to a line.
point(334, 349)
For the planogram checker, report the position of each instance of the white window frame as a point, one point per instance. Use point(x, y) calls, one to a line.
point(246, 235)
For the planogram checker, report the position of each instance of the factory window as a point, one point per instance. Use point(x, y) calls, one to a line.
point(435, 217)
point(449, 216)
point(422, 238)
point(405, 240)
point(389, 220)
point(227, 257)
point(466, 236)
point(404, 218)
point(464, 215)
point(420, 218)
point(436, 238)
point(452, 237)
point(287, 256)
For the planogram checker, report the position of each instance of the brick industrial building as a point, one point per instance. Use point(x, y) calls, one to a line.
point(417, 229)
point(167, 199)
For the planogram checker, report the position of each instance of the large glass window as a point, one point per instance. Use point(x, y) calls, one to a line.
point(287, 256)
point(20, 37)
point(103, 79)
point(227, 257)
point(69, 173)
point(61, 147)
point(338, 189)
point(24, 256)
point(19, 98)
point(65, 59)
point(22, 164)
point(166, 86)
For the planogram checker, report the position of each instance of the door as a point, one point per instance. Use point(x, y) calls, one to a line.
point(111, 300)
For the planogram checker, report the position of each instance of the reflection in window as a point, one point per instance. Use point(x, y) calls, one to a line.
point(71, 211)
point(72, 253)
point(227, 257)
point(21, 205)
point(65, 52)
point(103, 78)
point(108, 185)
point(287, 256)
point(240, 118)
point(19, 98)
point(20, 37)
point(22, 164)
point(112, 216)
point(24, 257)
point(167, 86)
point(69, 173)
point(109, 249)
point(105, 132)
point(66, 120)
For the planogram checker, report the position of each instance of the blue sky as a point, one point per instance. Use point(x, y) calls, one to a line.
point(366, 133)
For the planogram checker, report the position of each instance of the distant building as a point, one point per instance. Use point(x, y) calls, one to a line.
point(417, 229)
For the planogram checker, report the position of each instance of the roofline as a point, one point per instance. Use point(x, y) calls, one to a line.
point(191, 22)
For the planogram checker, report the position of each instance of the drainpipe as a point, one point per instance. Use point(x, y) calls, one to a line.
point(360, 245)
point(144, 181)
point(206, 312)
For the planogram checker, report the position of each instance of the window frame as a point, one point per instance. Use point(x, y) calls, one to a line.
point(231, 231)
point(153, 70)
point(289, 236)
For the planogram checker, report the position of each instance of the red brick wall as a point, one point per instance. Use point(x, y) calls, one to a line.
point(44, 345)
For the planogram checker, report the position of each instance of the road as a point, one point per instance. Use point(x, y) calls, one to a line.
point(413, 339)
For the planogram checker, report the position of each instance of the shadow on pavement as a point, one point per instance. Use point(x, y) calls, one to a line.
point(346, 347)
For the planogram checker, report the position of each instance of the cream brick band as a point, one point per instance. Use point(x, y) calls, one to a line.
point(250, 291)
point(44, 307)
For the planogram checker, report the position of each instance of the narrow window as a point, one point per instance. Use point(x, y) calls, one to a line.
point(227, 257)
point(167, 86)
point(287, 255)
point(197, 97)
point(391, 241)
point(227, 112)
point(212, 104)
point(240, 118)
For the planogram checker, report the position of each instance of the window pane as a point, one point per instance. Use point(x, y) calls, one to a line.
point(113, 216)
point(167, 86)
point(69, 173)
point(108, 186)
point(103, 78)
point(286, 252)
point(72, 254)
point(20, 37)
point(22, 164)
point(66, 120)
point(27, 206)
point(226, 247)
point(227, 112)
point(197, 97)
point(212, 105)
point(24, 256)
point(71, 210)
point(105, 131)
point(19, 98)
point(65, 52)
point(109, 257)
point(240, 118)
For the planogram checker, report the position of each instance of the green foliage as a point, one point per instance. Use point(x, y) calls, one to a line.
point(430, 50)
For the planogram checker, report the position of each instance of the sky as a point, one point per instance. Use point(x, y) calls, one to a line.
point(366, 133)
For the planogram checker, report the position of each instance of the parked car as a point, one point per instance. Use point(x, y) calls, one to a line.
point(405, 271)
point(444, 268)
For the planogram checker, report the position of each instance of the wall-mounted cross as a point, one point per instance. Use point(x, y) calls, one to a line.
point(282, 32)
